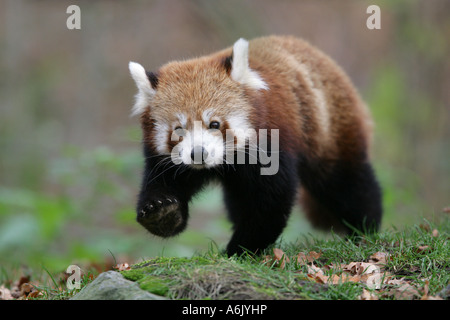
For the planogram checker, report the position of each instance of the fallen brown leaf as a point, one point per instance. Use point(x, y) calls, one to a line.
point(379, 257)
point(278, 253)
point(431, 298)
point(374, 281)
point(371, 274)
point(15, 292)
point(303, 258)
point(400, 289)
point(26, 288)
point(35, 294)
point(406, 292)
point(313, 269)
point(22, 280)
point(267, 260)
point(367, 295)
point(426, 288)
point(280, 257)
point(122, 266)
point(312, 255)
point(336, 267)
point(316, 274)
point(422, 249)
point(397, 244)
point(359, 268)
point(5, 293)
point(344, 277)
point(395, 282)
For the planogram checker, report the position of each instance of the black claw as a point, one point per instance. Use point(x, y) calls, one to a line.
point(156, 205)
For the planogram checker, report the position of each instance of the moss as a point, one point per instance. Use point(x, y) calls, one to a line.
point(154, 285)
point(150, 274)
point(133, 274)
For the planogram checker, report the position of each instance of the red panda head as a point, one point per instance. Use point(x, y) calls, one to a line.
point(190, 110)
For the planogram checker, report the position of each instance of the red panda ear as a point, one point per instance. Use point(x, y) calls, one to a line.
point(227, 63)
point(240, 69)
point(153, 78)
point(146, 84)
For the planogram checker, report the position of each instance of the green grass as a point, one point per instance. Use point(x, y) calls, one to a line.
point(214, 276)
point(418, 255)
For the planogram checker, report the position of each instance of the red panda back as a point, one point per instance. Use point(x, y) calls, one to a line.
point(310, 92)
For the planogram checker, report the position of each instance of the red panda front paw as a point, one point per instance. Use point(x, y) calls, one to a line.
point(156, 205)
point(162, 217)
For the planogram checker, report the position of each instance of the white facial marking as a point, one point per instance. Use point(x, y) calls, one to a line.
point(161, 129)
point(240, 125)
point(206, 115)
point(208, 140)
point(183, 119)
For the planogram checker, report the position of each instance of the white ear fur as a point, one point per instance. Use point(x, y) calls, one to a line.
point(240, 70)
point(143, 84)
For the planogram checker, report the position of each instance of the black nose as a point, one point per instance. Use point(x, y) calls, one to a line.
point(198, 154)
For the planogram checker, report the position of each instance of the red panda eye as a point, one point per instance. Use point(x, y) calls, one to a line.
point(179, 131)
point(214, 125)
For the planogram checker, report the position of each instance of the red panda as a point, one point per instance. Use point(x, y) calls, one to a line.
point(199, 116)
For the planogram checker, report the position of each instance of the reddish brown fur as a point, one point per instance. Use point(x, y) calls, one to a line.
point(298, 76)
point(350, 129)
point(288, 104)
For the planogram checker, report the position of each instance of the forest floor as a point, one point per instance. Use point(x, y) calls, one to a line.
point(410, 264)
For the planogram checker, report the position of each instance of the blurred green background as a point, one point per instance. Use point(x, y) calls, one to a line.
point(70, 155)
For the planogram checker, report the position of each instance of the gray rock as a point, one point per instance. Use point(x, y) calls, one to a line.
point(111, 285)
